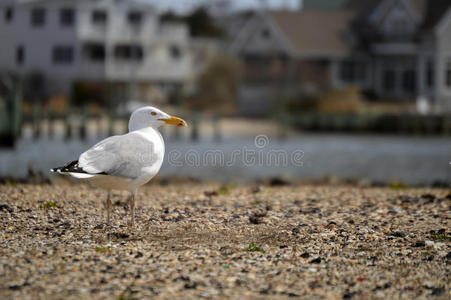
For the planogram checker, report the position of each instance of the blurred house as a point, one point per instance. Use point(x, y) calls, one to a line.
point(115, 42)
point(392, 49)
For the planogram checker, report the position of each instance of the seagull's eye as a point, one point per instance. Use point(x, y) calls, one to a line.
point(153, 113)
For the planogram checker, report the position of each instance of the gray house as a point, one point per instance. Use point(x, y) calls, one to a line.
point(395, 50)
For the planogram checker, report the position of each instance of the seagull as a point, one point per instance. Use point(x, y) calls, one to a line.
point(125, 162)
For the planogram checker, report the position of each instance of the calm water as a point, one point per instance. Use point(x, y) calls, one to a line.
point(412, 160)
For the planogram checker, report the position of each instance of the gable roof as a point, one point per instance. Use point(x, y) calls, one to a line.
point(314, 32)
point(430, 11)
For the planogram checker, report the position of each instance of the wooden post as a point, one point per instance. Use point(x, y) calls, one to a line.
point(195, 130)
point(69, 130)
point(36, 120)
point(217, 129)
point(82, 126)
point(99, 127)
point(111, 122)
point(51, 123)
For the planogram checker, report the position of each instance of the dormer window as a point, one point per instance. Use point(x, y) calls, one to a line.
point(135, 17)
point(400, 28)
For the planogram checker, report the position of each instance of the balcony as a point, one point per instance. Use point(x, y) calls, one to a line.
point(394, 48)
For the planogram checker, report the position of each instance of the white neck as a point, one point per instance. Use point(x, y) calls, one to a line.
point(136, 123)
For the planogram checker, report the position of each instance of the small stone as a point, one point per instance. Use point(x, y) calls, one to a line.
point(99, 226)
point(348, 295)
point(316, 260)
point(277, 181)
point(399, 234)
point(420, 244)
point(437, 291)
point(211, 193)
point(429, 243)
point(254, 219)
point(6, 207)
point(118, 235)
point(428, 197)
point(256, 189)
point(190, 285)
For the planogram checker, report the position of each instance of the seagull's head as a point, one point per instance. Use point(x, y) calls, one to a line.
point(149, 116)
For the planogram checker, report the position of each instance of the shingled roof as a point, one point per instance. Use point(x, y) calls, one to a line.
point(315, 32)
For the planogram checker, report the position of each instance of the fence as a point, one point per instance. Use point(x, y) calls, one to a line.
point(398, 124)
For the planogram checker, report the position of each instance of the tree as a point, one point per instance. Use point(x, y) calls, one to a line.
point(217, 86)
point(200, 23)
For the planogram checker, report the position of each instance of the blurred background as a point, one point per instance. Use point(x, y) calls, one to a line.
point(362, 88)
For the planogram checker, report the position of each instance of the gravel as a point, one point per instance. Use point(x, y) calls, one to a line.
point(203, 240)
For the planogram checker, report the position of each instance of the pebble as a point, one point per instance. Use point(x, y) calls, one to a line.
point(317, 241)
point(6, 207)
point(399, 234)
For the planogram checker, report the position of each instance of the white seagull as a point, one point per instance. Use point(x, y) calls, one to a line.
point(125, 162)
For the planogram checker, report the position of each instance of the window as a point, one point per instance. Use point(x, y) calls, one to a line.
point(388, 80)
point(9, 14)
point(408, 81)
point(399, 29)
point(67, 17)
point(135, 17)
point(99, 17)
point(353, 71)
point(94, 51)
point(62, 54)
point(128, 52)
point(430, 74)
point(175, 52)
point(20, 55)
point(448, 73)
point(38, 17)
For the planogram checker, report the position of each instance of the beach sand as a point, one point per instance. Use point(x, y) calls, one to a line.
point(202, 240)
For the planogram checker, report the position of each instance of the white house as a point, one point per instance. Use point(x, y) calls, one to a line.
point(116, 41)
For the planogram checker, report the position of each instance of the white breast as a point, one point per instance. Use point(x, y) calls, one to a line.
point(154, 136)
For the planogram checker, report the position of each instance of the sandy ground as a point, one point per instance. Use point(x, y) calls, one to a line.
point(200, 240)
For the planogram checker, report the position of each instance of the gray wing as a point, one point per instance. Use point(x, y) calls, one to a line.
point(121, 155)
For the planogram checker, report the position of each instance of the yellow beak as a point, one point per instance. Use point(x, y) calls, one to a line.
point(175, 121)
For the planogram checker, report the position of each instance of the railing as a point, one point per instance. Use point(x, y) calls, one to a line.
point(369, 123)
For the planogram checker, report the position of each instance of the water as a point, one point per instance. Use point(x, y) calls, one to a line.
point(412, 160)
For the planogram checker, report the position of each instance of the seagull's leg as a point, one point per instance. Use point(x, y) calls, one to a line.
point(132, 208)
point(108, 207)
